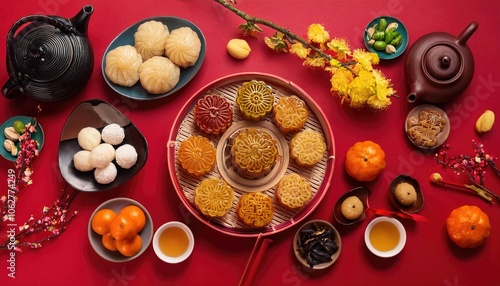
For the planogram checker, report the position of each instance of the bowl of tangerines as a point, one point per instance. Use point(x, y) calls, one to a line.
point(120, 229)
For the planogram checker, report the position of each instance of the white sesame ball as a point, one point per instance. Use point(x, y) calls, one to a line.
point(126, 156)
point(113, 134)
point(106, 175)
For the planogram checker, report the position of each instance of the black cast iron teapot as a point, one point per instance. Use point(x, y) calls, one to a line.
point(50, 58)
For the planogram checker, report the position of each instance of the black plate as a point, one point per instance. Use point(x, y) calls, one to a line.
point(97, 113)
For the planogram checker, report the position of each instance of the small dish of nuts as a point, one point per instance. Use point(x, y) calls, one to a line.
point(12, 130)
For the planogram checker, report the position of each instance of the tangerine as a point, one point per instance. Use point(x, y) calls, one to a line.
point(109, 242)
point(137, 216)
point(129, 247)
point(123, 227)
point(102, 220)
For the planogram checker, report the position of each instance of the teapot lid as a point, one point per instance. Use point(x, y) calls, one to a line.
point(443, 62)
point(42, 52)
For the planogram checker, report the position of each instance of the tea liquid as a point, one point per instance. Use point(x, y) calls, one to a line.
point(384, 236)
point(173, 241)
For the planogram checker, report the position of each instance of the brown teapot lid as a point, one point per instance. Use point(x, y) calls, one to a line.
point(443, 62)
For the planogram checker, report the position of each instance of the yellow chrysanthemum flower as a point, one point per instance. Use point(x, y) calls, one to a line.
point(340, 81)
point(317, 62)
point(365, 58)
point(340, 46)
point(361, 88)
point(299, 50)
point(316, 33)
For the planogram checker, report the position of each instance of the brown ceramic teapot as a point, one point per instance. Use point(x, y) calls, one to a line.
point(439, 66)
point(50, 58)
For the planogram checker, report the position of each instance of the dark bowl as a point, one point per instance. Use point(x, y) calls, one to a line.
point(418, 205)
point(335, 236)
point(97, 113)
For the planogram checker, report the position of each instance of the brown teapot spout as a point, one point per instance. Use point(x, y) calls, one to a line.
point(416, 92)
point(81, 20)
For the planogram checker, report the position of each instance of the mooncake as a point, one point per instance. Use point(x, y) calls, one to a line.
point(307, 147)
point(293, 191)
point(197, 155)
point(255, 100)
point(214, 197)
point(213, 114)
point(253, 153)
point(290, 114)
point(255, 209)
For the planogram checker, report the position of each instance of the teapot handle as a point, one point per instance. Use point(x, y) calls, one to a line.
point(52, 20)
point(466, 33)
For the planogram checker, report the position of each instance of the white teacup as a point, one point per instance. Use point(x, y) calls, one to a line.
point(173, 242)
point(385, 236)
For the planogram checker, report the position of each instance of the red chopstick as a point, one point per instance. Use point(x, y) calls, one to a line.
point(253, 263)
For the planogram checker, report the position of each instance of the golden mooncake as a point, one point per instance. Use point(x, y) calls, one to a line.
point(213, 197)
point(197, 155)
point(255, 100)
point(293, 191)
point(290, 114)
point(253, 153)
point(213, 114)
point(307, 147)
point(255, 209)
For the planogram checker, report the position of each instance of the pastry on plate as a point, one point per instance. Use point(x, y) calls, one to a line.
point(213, 197)
point(293, 191)
point(307, 147)
point(290, 114)
point(122, 65)
point(159, 75)
point(255, 209)
point(405, 194)
point(197, 155)
point(150, 39)
point(183, 47)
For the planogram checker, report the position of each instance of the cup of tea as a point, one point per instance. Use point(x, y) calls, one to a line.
point(385, 236)
point(173, 242)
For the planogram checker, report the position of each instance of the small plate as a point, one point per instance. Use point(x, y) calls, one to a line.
point(97, 113)
point(418, 205)
point(441, 137)
point(38, 135)
point(310, 226)
point(116, 205)
point(127, 38)
point(360, 192)
point(401, 30)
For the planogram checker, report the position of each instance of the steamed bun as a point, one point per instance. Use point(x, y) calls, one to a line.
point(183, 47)
point(81, 161)
point(159, 75)
point(150, 39)
point(89, 138)
point(102, 155)
point(122, 65)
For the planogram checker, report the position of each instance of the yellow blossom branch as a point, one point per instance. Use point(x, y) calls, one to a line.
point(270, 24)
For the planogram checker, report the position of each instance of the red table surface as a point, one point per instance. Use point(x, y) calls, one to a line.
point(429, 258)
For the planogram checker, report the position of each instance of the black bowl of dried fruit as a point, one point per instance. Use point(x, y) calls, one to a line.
point(317, 244)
